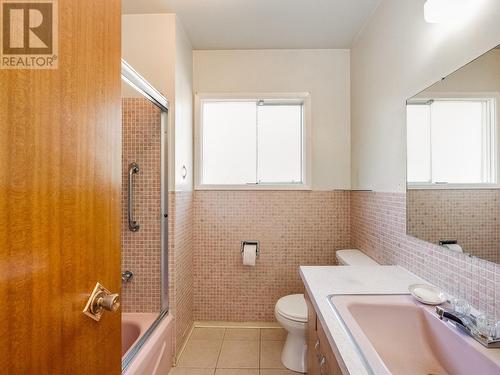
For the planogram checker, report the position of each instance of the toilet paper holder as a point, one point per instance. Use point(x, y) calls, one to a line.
point(256, 243)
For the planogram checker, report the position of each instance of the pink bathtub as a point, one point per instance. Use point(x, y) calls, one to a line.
point(155, 355)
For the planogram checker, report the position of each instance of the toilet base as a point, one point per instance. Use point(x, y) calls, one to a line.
point(294, 354)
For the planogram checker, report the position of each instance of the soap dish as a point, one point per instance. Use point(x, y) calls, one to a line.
point(427, 294)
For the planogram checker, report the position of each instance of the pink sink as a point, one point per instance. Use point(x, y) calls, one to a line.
point(397, 335)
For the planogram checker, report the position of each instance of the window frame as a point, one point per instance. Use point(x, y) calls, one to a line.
point(494, 99)
point(303, 97)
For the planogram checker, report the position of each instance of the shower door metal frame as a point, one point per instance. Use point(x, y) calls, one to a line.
point(139, 83)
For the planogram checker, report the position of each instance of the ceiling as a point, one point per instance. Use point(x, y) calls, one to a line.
point(260, 24)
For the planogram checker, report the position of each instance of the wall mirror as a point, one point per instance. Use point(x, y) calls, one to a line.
point(453, 163)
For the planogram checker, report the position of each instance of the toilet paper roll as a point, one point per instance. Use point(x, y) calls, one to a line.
point(249, 254)
point(454, 247)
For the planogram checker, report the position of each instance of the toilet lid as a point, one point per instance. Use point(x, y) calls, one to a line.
point(293, 307)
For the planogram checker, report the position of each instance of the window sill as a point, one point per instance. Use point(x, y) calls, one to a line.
point(415, 186)
point(255, 187)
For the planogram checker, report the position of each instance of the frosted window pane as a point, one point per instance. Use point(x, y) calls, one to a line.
point(457, 141)
point(418, 143)
point(279, 143)
point(229, 142)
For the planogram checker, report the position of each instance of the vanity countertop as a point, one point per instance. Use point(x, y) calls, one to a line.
point(320, 282)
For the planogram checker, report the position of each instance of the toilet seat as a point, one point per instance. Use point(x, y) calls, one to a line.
point(292, 307)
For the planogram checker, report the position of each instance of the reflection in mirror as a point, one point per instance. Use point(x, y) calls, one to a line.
point(453, 195)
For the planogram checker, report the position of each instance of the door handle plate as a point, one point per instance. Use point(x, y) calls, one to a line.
point(100, 300)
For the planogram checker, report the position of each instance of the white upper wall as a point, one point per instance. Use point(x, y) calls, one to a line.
point(396, 56)
point(156, 46)
point(183, 110)
point(148, 45)
point(322, 73)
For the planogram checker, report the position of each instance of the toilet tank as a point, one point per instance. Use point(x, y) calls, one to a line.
point(353, 257)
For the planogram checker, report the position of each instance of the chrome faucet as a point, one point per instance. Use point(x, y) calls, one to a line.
point(127, 276)
point(483, 333)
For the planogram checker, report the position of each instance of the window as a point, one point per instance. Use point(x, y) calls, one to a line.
point(452, 141)
point(256, 142)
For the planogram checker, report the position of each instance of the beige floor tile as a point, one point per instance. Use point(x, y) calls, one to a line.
point(207, 333)
point(211, 323)
point(278, 372)
point(239, 354)
point(274, 334)
point(247, 334)
point(191, 371)
point(200, 354)
point(236, 371)
point(270, 354)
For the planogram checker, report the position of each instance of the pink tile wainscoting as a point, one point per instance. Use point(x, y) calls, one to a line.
point(180, 267)
point(294, 228)
point(378, 227)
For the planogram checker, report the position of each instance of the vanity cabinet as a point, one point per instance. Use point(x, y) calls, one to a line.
point(321, 360)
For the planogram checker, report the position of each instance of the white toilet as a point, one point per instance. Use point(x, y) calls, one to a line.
point(291, 313)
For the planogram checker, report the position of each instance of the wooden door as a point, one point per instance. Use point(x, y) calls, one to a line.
point(60, 177)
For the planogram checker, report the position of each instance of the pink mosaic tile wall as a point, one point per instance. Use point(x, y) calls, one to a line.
point(294, 228)
point(141, 251)
point(472, 217)
point(378, 228)
point(180, 267)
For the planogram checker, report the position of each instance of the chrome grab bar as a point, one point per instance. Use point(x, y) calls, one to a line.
point(133, 225)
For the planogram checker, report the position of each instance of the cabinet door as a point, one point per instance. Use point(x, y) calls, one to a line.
point(312, 341)
point(330, 365)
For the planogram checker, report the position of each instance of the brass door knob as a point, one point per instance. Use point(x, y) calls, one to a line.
point(109, 302)
point(101, 300)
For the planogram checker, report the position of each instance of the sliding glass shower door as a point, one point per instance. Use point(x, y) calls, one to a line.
point(144, 208)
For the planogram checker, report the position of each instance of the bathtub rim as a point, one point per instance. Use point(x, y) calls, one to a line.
point(137, 346)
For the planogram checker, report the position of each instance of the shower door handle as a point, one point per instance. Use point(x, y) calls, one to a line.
point(133, 225)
